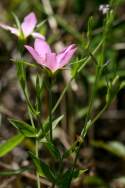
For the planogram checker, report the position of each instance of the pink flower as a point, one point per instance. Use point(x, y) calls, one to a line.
point(27, 27)
point(45, 57)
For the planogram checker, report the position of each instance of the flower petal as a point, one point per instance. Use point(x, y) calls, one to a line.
point(64, 57)
point(29, 24)
point(35, 55)
point(38, 35)
point(51, 61)
point(11, 29)
point(42, 47)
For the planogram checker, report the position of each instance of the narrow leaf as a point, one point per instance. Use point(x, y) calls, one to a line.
point(56, 121)
point(42, 168)
point(14, 172)
point(47, 128)
point(78, 172)
point(16, 20)
point(64, 182)
point(114, 147)
point(10, 144)
point(24, 128)
point(53, 150)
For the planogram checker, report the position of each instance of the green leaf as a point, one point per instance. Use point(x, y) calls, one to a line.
point(16, 20)
point(56, 121)
point(24, 128)
point(42, 168)
point(23, 61)
point(53, 150)
point(39, 85)
point(79, 172)
point(70, 174)
point(14, 172)
point(10, 144)
point(113, 89)
point(117, 148)
point(46, 126)
point(21, 73)
point(64, 182)
point(41, 24)
point(39, 91)
point(113, 147)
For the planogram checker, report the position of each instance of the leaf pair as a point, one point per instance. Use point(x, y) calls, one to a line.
point(29, 131)
point(24, 128)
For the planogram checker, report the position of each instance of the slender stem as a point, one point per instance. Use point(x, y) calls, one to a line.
point(37, 155)
point(36, 148)
point(50, 110)
point(31, 118)
point(61, 96)
point(99, 114)
point(78, 149)
point(93, 95)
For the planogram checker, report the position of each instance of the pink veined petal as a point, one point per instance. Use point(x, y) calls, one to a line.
point(64, 57)
point(61, 55)
point(29, 24)
point(51, 62)
point(13, 30)
point(42, 47)
point(35, 55)
point(38, 35)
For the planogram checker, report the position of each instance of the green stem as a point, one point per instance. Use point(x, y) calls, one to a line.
point(37, 155)
point(31, 118)
point(90, 108)
point(50, 110)
point(61, 96)
point(99, 114)
point(36, 148)
point(78, 149)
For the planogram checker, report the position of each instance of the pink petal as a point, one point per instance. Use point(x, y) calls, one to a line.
point(42, 47)
point(51, 61)
point(38, 35)
point(35, 55)
point(64, 57)
point(29, 24)
point(11, 29)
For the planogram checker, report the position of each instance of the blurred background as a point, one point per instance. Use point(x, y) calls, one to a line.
point(65, 22)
